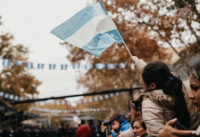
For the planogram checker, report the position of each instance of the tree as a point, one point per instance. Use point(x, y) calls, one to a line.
point(15, 79)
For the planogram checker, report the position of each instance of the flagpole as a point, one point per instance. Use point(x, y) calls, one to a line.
point(120, 36)
point(127, 49)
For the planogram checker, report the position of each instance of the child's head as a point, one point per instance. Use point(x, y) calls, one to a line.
point(116, 120)
point(155, 75)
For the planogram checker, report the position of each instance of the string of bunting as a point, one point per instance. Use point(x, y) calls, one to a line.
point(68, 111)
point(11, 96)
point(81, 118)
point(84, 100)
point(60, 102)
point(53, 66)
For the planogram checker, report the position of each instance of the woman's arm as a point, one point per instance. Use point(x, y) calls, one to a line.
point(169, 131)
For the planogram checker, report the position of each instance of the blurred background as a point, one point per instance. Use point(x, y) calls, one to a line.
point(34, 64)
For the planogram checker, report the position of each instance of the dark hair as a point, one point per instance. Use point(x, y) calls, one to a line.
point(115, 118)
point(82, 122)
point(142, 123)
point(91, 122)
point(158, 72)
point(195, 71)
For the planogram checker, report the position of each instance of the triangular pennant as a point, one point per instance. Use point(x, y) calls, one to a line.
point(6, 62)
point(111, 66)
point(88, 66)
point(122, 65)
point(18, 62)
point(100, 66)
point(40, 66)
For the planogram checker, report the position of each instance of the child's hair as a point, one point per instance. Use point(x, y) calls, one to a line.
point(158, 72)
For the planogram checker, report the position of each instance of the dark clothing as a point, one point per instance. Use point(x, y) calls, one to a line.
point(5, 133)
point(145, 135)
point(93, 129)
point(61, 132)
point(100, 134)
point(20, 133)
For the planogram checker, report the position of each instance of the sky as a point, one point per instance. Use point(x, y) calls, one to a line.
point(30, 22)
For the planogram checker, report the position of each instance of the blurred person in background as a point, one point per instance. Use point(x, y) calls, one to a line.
point(5, 132)
point(139, 128)
point(83, 130)
point(99, 132)
point(92, 127)
point(119, 124)
point(61, 131)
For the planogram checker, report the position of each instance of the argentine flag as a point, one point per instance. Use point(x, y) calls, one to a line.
point(91, 29)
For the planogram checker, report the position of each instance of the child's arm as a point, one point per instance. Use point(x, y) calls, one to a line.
point(139, 64)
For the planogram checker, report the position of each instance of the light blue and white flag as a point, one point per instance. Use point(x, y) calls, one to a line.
point(76, 66)
point(106, 96)
point(6, 62)
point(16, 97)
point(63, 67)
point(11, 97)
point(100, 97)
point(111, 95)
point(91, 29)
point(88, 66)
point(29, 65)
point(58, 102)
point(6, 95)
point(1, 94)
point(41, 102)
point(40, 66)
point(63, 102)
point(100, 66)
point(111, 66)
point(18, 62)
point(79, 101)
point(52, 66)
point(96, 98)
point(122, 65)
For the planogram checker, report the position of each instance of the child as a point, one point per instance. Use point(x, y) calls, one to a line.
point(163, 98)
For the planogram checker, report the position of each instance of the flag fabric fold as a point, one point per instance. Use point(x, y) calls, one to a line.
point(91, 29)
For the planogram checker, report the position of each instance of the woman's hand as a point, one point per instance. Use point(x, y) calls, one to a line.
point(169, 131)
point(135, 59)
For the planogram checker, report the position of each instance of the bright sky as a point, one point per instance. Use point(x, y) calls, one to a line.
point(31, 22)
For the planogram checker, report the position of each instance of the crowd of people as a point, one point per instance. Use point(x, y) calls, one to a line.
point(165, 101)
point(35, 131)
